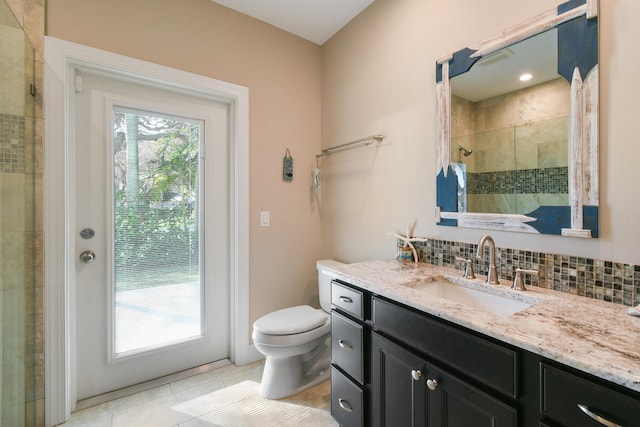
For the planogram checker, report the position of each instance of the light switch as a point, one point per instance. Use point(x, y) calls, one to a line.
point(265, 219)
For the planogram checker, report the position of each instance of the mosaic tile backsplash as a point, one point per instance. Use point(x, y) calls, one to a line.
point(611, 281)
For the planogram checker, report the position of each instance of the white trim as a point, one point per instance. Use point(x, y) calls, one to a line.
point(590, 145)
point(536, 25)
point(489, 221)
point(443, 129)
point(575, 150)
point(593, 7)
point(60, 58)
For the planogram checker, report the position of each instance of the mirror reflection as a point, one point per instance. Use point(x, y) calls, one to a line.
point(509, 136)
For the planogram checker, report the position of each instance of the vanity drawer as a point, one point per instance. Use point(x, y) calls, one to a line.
point(347, 338)
point(347, 299)
point(563, 391)
point(347, 400)
point(487, 362)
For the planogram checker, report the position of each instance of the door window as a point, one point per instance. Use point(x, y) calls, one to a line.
point(156, 231)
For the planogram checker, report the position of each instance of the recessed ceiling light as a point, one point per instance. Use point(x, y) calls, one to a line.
point(526, 77)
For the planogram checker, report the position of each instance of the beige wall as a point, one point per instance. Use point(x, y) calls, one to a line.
point(378, 76)
point(375, 76)
point(282, 73)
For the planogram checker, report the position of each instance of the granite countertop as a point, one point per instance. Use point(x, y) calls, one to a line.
point(590, 335)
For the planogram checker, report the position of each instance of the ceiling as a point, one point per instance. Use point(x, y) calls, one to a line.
point(497, 73)
point(313, 20)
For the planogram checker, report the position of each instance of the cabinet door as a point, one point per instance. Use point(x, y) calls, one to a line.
point(455, 403)
point(398, 398)
point(489, 363)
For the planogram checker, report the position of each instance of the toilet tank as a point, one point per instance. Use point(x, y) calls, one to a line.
point(324, 282)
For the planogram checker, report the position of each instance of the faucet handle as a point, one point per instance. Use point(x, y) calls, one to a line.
point(518, 283)
point(468, 271)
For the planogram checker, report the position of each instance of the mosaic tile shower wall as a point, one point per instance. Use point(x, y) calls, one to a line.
point(11, 143)
point(21, 225)
point(526, 181)
point(610, 281)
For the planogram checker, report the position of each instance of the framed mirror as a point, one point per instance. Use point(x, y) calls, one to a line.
point(517, 129)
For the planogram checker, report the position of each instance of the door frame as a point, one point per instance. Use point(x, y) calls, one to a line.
point(61, 57)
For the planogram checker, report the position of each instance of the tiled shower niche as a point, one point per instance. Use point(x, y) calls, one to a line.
point(610, 281)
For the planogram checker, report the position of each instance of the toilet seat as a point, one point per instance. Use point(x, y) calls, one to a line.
point(290, 321)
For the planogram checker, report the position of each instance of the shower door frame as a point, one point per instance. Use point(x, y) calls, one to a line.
point(60, 59)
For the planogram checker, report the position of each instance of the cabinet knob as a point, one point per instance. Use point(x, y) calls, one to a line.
point(345, 405)
point(432, 384)
point(598, 418)
point(415, 374)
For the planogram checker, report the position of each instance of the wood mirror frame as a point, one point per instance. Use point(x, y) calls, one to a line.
point(577, 25)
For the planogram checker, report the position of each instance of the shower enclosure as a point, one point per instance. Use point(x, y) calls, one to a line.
point(20, 261)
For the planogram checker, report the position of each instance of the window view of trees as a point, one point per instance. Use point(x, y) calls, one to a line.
point(156, 161)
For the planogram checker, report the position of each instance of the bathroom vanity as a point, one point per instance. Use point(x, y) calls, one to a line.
point(404, 355)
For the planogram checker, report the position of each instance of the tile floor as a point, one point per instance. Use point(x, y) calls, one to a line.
point(226, 396)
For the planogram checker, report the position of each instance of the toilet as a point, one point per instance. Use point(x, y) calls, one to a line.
point(296, 342)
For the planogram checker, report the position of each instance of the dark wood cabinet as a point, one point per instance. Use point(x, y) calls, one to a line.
point(408, 391)
point(349, 355)
point(394, 366)
point(456, 403)
point(347, 346)
point(572, 399)
point(347, 400)
point(488, 362)
point(398, 389)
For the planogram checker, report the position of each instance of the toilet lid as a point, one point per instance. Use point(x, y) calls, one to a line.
point(289, 321)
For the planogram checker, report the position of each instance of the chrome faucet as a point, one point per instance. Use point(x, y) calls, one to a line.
point(492, 276)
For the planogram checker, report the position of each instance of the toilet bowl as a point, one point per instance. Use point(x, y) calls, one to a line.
point(296, 342)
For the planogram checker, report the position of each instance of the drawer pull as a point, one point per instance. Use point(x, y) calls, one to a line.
point(345, 344)
point(598, 418)
point(432, 384)
point(416, 374)
point(346, 300)
point(345, 405)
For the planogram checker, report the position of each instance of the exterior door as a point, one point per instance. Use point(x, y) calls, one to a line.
point(152, 238)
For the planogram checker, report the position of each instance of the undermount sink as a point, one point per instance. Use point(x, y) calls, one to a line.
point(491, 302)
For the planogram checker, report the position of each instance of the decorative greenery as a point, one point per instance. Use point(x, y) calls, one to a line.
point(156, 229)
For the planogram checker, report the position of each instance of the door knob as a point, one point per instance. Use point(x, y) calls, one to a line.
point(416, 374)
point(87, 257)
point(432, 384)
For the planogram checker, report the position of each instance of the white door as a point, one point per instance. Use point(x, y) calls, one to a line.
point(153, 235)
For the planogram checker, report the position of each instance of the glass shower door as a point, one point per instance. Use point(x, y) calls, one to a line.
point(18, 260)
